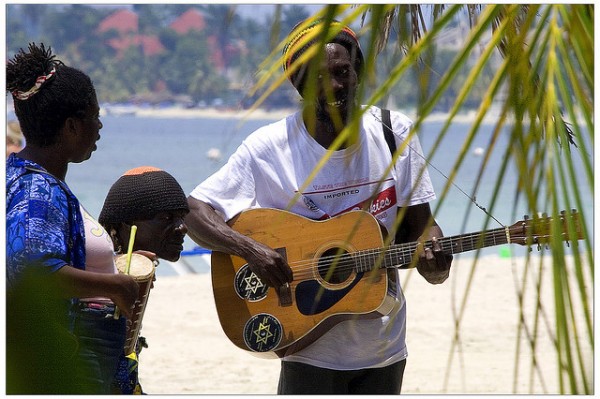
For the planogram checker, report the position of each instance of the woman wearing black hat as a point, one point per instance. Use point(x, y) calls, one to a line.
point(152, 200)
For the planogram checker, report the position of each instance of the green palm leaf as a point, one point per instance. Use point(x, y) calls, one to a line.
point(542, 90)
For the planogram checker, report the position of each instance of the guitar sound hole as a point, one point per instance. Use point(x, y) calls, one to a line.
point(335, 266)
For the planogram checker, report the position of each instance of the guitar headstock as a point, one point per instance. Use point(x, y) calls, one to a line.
point(539, 230)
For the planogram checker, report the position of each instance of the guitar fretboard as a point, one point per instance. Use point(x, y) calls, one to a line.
point(401, 255)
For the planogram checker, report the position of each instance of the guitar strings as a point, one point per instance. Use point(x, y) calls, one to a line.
point(400, 254)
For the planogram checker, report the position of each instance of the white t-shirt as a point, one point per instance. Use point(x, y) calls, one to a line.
point(272, 165)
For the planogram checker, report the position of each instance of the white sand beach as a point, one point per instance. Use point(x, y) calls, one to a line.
point(189, 353)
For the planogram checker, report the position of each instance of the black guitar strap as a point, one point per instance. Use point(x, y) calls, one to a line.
point(386, 122)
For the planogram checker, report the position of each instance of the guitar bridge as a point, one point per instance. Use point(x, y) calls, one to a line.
point(284, 293)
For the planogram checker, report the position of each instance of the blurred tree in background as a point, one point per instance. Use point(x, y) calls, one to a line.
point(220, 62)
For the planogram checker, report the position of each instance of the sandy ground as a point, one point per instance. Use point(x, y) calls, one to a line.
point(189, 353)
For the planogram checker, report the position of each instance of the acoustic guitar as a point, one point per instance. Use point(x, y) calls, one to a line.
point(340, 269)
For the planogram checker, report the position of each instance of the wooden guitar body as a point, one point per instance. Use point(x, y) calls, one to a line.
point(326, 288)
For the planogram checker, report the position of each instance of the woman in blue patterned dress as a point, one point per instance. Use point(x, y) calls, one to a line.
point(58, 112)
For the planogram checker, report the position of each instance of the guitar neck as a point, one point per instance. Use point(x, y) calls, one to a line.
point(401, 255)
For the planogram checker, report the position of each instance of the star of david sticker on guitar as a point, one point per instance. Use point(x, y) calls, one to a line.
point(262, 333)
point(248, 286)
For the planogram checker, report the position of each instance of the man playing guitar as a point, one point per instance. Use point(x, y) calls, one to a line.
point(281, 166)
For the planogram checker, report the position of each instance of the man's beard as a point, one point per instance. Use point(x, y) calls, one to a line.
point(330, 115)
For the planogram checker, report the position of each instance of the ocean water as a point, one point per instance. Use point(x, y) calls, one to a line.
point(182, 147)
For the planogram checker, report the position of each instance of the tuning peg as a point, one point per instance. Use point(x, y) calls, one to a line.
point(526, 217)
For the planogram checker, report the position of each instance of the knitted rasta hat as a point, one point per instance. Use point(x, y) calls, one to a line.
point(303, 36)
point(140, 194)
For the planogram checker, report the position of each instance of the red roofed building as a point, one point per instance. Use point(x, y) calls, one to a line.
point(216, 55)
point(123, 21)
point(192, 19)
point(150, 44)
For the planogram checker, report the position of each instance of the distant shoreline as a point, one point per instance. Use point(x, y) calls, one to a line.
point(257, 114)
point(214, 113)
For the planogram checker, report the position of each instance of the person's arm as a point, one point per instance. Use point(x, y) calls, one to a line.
point(51, 257)
point(433, 264)
point(122, 289)
point(209, 230)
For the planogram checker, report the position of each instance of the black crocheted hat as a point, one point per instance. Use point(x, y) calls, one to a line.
point(140, 194)
point(306, 34)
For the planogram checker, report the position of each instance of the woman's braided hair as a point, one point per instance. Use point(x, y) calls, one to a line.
point(67, 92)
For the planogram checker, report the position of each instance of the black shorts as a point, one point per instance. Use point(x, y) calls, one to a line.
point(299, 378)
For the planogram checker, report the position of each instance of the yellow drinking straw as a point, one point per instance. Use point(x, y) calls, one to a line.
point(127, 262)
